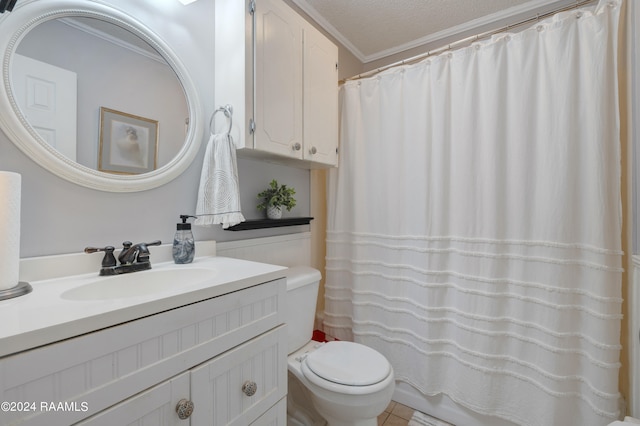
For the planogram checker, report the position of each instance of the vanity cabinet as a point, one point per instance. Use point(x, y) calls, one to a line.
point(280, 74)
point(155, 406)
point(227, 355)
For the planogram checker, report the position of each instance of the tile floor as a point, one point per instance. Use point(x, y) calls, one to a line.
point(396, 414)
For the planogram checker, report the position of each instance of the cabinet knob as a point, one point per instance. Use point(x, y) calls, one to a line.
point(184, 409)
point(297, 146)
point(313, 150)
point(249, 388)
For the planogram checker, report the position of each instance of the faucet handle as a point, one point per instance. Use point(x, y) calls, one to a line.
point(143, 252)
point(108, 260)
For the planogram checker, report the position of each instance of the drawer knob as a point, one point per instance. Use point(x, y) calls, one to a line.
point(184, 409)
point(249, 388)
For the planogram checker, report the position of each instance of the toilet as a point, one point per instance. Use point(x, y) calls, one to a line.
point(339, 383)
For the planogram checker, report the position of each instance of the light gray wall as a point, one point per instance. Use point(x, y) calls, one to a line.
point(61, 217)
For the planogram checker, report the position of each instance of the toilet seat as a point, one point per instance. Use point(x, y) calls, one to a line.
point(346, 367)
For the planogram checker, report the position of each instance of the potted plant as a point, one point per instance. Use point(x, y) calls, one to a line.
point(275, 198)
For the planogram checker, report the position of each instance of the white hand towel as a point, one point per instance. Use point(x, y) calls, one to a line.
point(219, 193)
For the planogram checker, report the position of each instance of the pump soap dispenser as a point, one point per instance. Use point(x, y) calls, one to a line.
point(183, 244)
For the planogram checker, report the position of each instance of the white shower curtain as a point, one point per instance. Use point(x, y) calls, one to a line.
point(474, 233)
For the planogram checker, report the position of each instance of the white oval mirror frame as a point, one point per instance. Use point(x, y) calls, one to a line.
point(15, 25)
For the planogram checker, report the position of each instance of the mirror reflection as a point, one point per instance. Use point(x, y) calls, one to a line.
point(100, 95)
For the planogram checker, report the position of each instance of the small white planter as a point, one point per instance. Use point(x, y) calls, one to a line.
point(274, 212)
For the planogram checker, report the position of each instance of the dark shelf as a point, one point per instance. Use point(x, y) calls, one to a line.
point(269, 223)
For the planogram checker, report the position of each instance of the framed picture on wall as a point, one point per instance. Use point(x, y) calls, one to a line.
point(128, 143)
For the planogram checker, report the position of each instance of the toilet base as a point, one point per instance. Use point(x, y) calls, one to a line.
point(340, 415)
point(300, 411)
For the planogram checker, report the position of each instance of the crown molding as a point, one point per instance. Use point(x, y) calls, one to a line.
point(327, 26)
point(74, 23)
point(528, 10)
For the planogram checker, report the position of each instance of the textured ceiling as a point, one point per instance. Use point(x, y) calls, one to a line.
point(373, 29)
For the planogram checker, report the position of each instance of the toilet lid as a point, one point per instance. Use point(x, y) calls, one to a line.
point(348, 363)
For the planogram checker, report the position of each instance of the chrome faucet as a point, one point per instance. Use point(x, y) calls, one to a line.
point(132, 258)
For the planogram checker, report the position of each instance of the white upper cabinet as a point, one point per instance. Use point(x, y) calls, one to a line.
point(280, 75)
point(320, 104)
point(278, 79)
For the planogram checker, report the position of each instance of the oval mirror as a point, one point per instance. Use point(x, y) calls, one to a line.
point(96, 97)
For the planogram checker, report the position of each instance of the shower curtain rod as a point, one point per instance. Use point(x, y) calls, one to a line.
point(466, 40)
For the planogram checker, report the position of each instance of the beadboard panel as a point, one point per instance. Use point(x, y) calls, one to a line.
point(217, 385)
point(126, 359)
point(284, 250)
point(276, 416)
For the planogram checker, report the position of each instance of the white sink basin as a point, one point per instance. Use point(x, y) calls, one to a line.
point(138, 284)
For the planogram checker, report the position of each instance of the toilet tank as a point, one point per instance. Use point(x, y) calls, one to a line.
point(302, 294)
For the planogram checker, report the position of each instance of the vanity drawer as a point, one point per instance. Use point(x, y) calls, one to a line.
point(155, 406)
point(276, 416)
point(99, 369)
point(221, 388)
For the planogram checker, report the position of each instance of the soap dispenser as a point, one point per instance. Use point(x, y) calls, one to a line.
point(183, 244)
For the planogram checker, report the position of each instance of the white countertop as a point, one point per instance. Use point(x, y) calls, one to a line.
point(44, 316)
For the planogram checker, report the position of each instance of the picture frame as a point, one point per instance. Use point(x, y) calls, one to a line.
point(128, 143)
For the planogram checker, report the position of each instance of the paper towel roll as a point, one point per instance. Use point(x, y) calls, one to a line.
point(9, 229)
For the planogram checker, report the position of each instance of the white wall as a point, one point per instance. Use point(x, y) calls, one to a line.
point(61, 217)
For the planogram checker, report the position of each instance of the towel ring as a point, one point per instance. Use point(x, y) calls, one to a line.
point(228, 112)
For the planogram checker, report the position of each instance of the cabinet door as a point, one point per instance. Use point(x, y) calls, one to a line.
point(320, 98)
point(156, 406)
point(276, 416)
point(217, 386)
point(278, 79)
